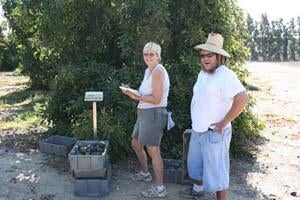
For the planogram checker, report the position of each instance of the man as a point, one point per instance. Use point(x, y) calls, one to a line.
point(218, 98)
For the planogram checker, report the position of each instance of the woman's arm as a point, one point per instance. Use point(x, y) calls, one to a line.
point(157, 88)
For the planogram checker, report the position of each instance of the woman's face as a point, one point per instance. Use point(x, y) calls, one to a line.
point(151, 59)
point(208, 61)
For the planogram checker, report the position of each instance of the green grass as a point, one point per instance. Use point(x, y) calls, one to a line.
point(23, 119)
point(21, 108)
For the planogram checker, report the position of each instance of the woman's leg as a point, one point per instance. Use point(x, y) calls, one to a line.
point(157, 163)
point(141, 154)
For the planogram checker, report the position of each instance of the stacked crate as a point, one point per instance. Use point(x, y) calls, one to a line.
point(90, 167)
point(57, 145)
point(175, 171)
point(186, 142)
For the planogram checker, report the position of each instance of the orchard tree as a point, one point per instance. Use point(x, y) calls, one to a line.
point(2, 47)
point(298, 36)
point(277, 31)
point(292, 40)
point(252, 40)
point(266, 38)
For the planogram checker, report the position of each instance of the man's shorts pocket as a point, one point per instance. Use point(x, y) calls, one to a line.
point(215, 137)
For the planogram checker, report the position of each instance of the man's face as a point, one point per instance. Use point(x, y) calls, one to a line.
point(208, 61)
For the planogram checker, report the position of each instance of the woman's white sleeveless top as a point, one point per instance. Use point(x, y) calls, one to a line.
point(146, 88)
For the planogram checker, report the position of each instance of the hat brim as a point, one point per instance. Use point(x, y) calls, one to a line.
point(212, 48)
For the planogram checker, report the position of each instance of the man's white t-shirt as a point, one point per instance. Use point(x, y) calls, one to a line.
point(213, 96)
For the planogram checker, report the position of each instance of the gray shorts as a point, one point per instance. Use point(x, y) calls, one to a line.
point(149, 126)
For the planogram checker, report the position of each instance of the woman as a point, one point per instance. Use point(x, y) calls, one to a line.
point(151, 119)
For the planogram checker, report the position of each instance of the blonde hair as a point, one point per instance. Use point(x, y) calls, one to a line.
point(152, 47)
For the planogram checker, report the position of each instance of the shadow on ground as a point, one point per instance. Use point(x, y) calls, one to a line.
point(240, 171)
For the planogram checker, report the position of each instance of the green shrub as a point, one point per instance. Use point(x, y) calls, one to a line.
point(73, 116)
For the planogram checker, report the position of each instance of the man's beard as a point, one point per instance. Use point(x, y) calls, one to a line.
point(210, 71)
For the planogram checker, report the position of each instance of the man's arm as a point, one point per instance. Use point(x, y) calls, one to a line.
point(239, 102)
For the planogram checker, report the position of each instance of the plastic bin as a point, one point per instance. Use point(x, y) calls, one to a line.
point(57, 145)
point(173, 171)
point(91, 173)
point(186, 141)
point(93, 187)
point(87, 162)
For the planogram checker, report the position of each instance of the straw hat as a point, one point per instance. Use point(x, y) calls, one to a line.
point(214, 44)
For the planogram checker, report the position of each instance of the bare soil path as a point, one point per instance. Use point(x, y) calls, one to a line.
point(274, 175)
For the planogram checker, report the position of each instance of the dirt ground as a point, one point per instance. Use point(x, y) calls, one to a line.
point(274, 174)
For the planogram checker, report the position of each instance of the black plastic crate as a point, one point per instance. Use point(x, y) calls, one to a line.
point(173, 171)
point(57, 145)
point(93, 187)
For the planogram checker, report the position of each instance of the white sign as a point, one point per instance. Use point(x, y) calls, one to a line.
point(93, 96)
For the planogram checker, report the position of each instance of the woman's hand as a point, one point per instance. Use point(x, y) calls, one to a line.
point(131, 95)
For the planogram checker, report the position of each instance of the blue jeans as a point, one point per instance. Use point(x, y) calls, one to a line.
point(208, 159)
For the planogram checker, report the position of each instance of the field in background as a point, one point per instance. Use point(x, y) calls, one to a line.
point(20, 107)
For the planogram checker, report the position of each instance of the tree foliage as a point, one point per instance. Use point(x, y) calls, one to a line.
point(8, 50)
point(71, 46)
point(274, 41)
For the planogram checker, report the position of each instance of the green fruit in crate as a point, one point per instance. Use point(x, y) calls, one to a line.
point(100, 148)
point(178, 166)
point(90, 149)
point(82, 149)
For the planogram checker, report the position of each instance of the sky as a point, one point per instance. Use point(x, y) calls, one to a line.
point(274, 9)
